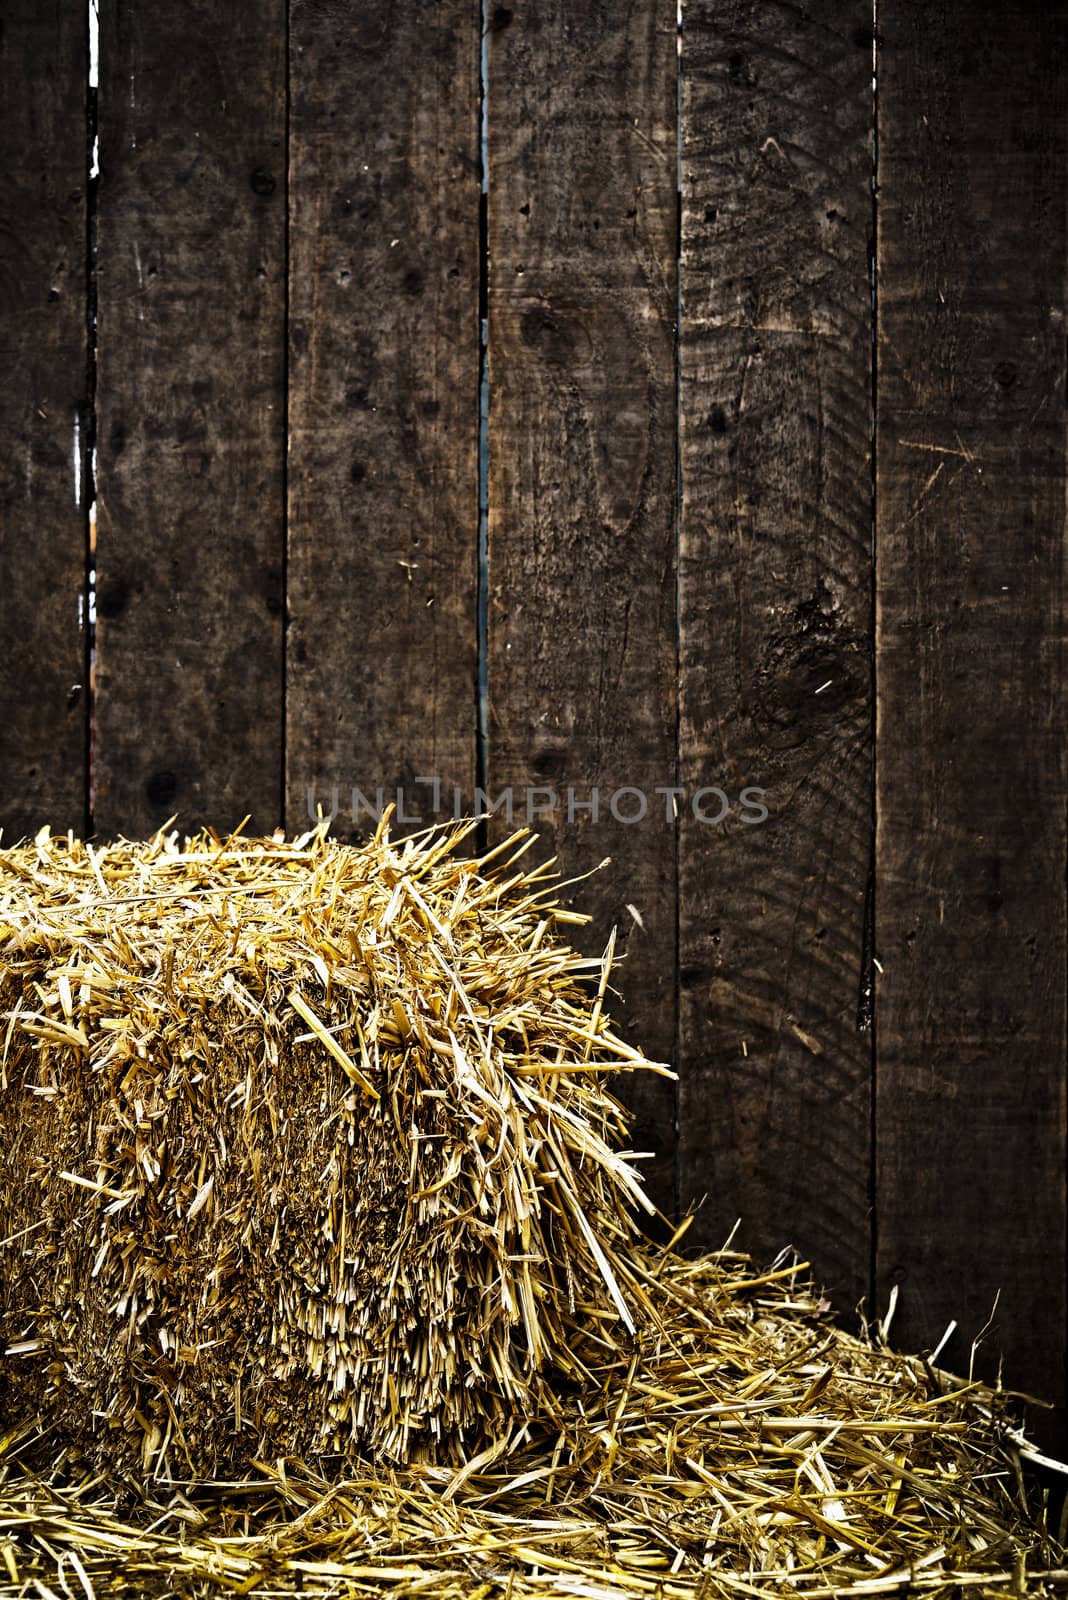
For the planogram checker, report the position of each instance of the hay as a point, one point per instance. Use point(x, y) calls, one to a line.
point(754, 1450)
point(302, 1148)
point(408, 1180)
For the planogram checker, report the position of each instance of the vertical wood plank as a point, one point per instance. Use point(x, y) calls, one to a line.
point(43, 342)
point(191, 296)
point(383, 410)
point(581, 219)
point(775, 587)
point(970, 906)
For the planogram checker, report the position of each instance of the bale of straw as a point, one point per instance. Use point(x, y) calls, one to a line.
point(304, 1149)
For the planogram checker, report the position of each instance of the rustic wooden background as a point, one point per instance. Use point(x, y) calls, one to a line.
point(759, 319)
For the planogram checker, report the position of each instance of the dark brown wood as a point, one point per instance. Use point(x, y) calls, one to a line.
point(383, 412)
point(188, 713)
point(582, 157)
point(43, 343)
point(970, 901)
point(775, 626)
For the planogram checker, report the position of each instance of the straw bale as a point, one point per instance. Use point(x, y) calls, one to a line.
point(304, 1149)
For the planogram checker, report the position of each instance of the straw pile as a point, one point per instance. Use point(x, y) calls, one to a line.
point(308, 1172)
point(754, 1450)
point(302, 1147)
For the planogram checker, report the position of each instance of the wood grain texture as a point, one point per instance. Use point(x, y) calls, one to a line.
point(581, 124)
point(43, 344)
point(775, 625)
point(383, 413)
point(971, 851)
point(190, 438)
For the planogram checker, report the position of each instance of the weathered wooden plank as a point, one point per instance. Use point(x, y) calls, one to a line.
point(190, 557)
point(43, 343)
point(581, 220)
point(383, 412)
point(775, 625)
point(970, 903)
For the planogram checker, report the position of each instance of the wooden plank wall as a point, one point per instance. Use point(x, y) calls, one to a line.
point(761, 319)
point(775, 403)
point(381, 670)
point(44, 421)
point(190, 415)
point(582, 687)
point(970, 500)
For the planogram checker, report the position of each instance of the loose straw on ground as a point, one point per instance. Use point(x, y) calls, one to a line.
point(751, 1449)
